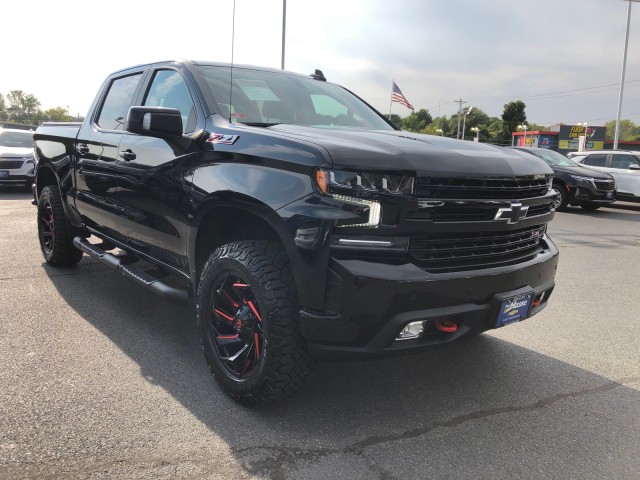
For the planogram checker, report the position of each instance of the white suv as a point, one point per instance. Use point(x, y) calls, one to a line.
point(624, 165)
point(17, 162)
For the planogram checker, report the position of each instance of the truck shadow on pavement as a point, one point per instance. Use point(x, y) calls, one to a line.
point(388, 418)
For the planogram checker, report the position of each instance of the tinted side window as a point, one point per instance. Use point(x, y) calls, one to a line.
point(168, 89)
point(596, 160)
point(116, 105)
point(623, 160)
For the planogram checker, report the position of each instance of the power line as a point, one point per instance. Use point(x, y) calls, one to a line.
point(559, 93)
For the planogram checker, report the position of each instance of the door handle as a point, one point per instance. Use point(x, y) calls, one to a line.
point(83, 149)
point(128, 155)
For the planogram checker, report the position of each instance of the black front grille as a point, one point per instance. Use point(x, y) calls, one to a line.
point(539, 210)
point(456, 251)
point(468, 213)
point(481, 188)
point(454, 213)
point(606, 185)
point(11, 164)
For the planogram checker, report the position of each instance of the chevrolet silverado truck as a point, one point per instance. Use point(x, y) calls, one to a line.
point(300, 220)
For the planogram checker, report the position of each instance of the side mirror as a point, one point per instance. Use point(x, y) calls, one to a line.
point(634, 166)
point(154, 121)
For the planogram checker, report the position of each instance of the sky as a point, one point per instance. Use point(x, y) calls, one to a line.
point(563, 58)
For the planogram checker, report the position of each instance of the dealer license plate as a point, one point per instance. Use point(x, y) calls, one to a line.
point(514, 309)
point(4, 173)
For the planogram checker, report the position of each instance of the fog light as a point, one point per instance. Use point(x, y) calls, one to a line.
point(411, 331)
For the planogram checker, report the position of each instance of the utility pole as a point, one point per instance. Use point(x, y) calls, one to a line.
point(624, 67)
point(284, 29)
point(459, 102)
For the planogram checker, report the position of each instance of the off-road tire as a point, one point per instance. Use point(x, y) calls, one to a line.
point(54, 231)
point(261, 268)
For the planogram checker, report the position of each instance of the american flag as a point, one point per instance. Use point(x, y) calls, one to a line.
point(397, 96)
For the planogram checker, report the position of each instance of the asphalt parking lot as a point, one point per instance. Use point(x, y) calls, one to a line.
point(101, 379)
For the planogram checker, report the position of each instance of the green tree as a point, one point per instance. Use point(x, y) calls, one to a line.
point(57, 114)
point(3, 108)
point(628, 130)
point(417, 121)
point(439, 123)
point(23, 108)
point(512, 116)
point(396, 119)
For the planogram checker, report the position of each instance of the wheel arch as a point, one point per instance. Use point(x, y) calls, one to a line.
point(228, 217)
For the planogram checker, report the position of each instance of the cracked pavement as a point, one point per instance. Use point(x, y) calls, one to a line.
point(100, 379)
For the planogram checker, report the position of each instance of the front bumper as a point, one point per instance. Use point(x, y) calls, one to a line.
point(588, 193)
point(378, 300)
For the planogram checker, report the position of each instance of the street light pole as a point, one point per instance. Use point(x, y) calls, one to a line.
point(584, 145)
point(624, 67)
point(477, 137)
point(284, 29)
point(464, 121)
point(525, 133)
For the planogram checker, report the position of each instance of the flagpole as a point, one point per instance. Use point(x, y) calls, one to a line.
point(391, 103)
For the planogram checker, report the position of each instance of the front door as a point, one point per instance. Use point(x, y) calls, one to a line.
point(153, 191)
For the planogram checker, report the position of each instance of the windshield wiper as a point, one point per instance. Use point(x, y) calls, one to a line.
point(260, 124)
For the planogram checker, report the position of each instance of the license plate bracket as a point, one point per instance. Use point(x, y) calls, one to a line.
point(513, 309)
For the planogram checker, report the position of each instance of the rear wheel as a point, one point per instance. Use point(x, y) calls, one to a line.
point(247, 306)
point(562, 198)
point(54, 232)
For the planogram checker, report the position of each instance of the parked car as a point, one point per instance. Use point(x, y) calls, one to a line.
point(17, 163)
point(575, 184)
point(624, 165)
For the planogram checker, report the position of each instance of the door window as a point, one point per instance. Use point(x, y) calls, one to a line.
point(168, 89)
point(596, 160)
point(116, 104)
point(623, 160)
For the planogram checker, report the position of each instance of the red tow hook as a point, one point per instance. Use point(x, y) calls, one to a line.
point(446, 326)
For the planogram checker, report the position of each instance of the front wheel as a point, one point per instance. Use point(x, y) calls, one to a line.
point(562, 198)
point(54, 232)
point(247, 317)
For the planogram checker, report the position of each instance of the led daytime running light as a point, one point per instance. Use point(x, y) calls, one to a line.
point(375, 210)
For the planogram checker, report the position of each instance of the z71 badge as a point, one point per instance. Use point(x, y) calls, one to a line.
point(224, 139)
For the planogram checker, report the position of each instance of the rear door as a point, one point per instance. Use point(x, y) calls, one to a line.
point(627, 179)
point(96, 176)
point(154, 192)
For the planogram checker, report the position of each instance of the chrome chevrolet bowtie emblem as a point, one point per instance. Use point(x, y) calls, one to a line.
point(512, 214)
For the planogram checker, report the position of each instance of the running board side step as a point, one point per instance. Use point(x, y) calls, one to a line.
point(172, 294)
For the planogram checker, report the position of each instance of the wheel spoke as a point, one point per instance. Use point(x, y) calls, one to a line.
point(237, 326)
point(226, 316)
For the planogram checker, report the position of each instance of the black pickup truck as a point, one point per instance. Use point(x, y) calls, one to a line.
point(303, 222)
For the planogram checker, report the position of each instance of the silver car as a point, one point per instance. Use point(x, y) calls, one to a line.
point(17, 162)
point(624, 165)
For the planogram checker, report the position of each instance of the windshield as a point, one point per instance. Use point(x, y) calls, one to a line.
point(554, 159)
point(16, 139)
point(269, 98)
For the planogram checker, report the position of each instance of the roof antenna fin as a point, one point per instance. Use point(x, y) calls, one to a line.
point(318, 75)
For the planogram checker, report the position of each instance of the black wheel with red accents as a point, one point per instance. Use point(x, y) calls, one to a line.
point(247, 306)
point(54, 231)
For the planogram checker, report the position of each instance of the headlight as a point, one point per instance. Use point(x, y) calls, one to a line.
point(348, 186)
point(579, 178)
point(331, 181)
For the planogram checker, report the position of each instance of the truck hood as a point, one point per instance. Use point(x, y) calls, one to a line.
point(422, 155)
